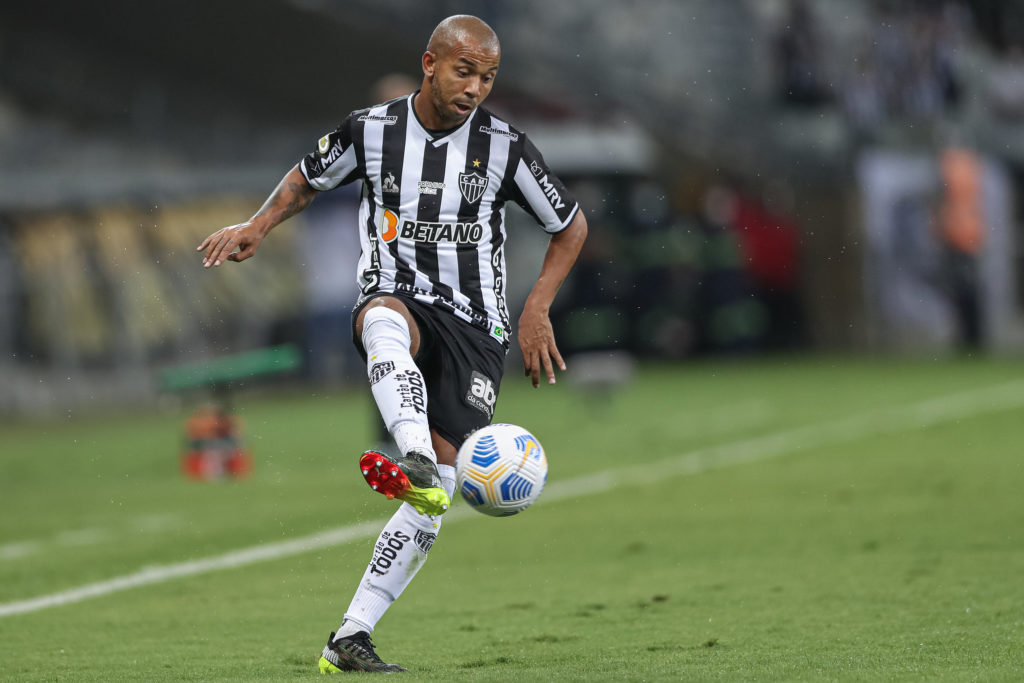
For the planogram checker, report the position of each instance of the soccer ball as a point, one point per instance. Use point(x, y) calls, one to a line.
point(501, 470)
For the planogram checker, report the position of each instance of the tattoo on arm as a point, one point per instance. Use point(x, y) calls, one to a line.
point(289, 198)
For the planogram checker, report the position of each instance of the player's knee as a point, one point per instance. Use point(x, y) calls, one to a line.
point(384, 327)
point(383, 315)
point(388, 318)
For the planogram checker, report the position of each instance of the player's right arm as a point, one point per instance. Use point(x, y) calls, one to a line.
point(334, 162)
point(292, 195)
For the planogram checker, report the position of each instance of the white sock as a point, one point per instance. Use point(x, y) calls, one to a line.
point(400, 551)
point(447, 473)
point(392, 568)
point(396, 382)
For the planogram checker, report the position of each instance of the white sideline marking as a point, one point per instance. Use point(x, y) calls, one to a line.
point(900, 418)
point(82, 537)
point(11, 551)
point(149, 524)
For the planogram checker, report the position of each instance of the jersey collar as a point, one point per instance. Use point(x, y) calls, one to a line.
point(456, 133)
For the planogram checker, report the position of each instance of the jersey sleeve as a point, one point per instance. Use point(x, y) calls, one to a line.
point(540, 192)
point(334, 162)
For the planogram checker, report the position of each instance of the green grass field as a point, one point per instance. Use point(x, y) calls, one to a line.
point(824, 519)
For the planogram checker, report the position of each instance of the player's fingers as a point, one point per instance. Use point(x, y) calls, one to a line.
point(220, 252)
point(558, 357)
point(535, 370)
point(242, 254)
point(549, 369)
point(210, 245)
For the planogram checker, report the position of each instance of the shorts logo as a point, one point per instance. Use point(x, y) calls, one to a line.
point(381, 370)
point(481, 394)
point(389, 184)
point(388, 226)
point(473, 186)
point(425, 540)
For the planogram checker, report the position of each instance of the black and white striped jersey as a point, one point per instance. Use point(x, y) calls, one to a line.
point(432, 214)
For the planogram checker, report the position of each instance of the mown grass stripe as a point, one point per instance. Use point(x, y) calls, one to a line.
point(913, 416)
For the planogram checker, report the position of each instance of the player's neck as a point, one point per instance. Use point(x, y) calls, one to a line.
point(428, 117)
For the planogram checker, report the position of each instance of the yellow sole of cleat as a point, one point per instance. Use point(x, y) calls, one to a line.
point(327, 668)
point(427, 501)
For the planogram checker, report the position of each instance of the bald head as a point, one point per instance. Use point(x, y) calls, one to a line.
point(459, 68)
point(463, 29)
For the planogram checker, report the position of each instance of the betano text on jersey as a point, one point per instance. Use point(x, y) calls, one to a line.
point(432, 213)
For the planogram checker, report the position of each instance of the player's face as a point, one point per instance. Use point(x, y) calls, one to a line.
point(460, 81)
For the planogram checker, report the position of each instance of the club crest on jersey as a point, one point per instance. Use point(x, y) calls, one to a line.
point(473, 186)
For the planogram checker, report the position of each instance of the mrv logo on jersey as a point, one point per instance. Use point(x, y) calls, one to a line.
point(460, 233)
point(329, 150)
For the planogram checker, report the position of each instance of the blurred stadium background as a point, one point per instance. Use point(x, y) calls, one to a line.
point(759, 176)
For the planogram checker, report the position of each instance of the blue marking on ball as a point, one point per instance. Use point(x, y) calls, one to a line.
point(486, 452)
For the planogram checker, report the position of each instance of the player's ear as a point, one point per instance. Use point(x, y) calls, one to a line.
point(429, 63)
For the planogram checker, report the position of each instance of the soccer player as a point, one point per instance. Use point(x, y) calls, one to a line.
point(432, 323)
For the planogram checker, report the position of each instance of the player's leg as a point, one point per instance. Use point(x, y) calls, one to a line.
point(454, 370)
point(400, 551)
point(391, 338)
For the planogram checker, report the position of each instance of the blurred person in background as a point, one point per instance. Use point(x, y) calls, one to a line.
point(431, 319)
point(962, 234)
point(798, 57)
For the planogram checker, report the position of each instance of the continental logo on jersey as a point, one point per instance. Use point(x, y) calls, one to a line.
point(388, 225)
point(498, 131)
point(460, 233)
point(386, 120)
point(324, 144)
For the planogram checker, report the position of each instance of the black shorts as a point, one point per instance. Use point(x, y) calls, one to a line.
point(461, 365)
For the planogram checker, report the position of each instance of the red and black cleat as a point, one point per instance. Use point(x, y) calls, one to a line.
point(412, 478)
point(383, 475)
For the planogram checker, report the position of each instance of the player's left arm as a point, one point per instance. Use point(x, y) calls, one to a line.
point(536, 335)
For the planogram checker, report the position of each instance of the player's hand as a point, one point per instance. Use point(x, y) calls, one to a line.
point(537, 341)
point(233, 243)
